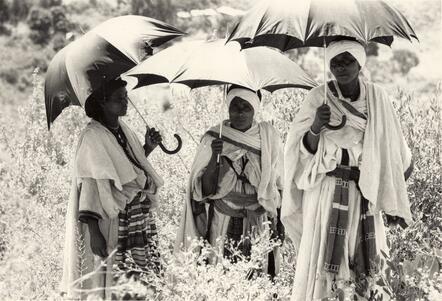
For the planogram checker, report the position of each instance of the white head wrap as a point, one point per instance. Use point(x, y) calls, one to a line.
point(249, 96)
point(352, 47)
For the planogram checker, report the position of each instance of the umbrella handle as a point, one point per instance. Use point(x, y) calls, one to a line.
point(338, 126)
point(344, 118)
point(176, 150)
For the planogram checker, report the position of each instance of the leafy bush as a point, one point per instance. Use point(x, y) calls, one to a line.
point(35, 183)
point(10, 75)
point(40, 23)
point(404, 60)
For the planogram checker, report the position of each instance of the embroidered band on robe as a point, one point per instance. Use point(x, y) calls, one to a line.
point(365, 261)
point(136, 235)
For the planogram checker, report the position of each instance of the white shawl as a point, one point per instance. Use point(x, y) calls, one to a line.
point(385, 157)
point(265, 175)
point(100, 157)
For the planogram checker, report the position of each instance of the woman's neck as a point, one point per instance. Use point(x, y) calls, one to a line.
point(111, 122)
point(241, 130)
point(350, 90)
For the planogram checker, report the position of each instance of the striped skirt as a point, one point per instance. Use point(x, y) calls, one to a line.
point(137, 237)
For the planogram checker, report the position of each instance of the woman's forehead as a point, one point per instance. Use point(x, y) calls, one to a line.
point(120, 91)
point(345, 56)
point(240, 101)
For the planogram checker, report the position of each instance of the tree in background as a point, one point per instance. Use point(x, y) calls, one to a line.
point(50, 3)
point(40, 22)
point(404, 60)
point(60, 22)
point(4, 15)
point(164, 10)
point(372, 49)
point(19, 10)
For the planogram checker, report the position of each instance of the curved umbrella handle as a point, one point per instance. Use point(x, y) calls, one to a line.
point(338, 126)
point(177, 149)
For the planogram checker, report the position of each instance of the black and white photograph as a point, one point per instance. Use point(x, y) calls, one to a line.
point(231, 150)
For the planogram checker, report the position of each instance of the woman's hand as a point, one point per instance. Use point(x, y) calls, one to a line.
point(97, 240)
point(217, 147)
point(151, 140)
point(396, 220)
point(322, 118)
point(209, 180)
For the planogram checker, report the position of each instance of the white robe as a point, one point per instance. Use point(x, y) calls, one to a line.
point(264, 173)
point(103, 182)
point(308, 192)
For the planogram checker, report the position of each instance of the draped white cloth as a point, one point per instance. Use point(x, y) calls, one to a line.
point(264, 173)
point(376, 146)
point(103, 182)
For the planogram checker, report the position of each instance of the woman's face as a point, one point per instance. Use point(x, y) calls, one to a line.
point(241, 114)
point(116, 105)
point(345, 68)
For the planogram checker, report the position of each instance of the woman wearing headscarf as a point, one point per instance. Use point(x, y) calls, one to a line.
point(338, 182)
point(233, 199)
point(114, 189)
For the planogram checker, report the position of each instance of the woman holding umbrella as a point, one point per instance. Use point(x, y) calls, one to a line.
point(338, 182)
point(235, 181)
point(114, 190)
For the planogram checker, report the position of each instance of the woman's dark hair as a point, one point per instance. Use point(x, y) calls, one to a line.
point(93, 102)
point(233, 86)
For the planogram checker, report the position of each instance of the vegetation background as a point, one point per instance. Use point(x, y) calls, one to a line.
point(35, 163)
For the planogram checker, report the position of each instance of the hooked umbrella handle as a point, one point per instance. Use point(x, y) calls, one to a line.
point(176, 150)
point(161, 145)
point(338, 126)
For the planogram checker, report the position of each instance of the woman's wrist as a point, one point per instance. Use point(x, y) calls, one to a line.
point(315, 130)
point(147, 149)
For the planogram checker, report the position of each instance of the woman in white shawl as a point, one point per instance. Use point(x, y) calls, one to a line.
point(230, 200)
point(337, 182)
point(109, 220)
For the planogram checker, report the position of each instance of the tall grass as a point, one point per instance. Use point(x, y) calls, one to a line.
point(35, 180)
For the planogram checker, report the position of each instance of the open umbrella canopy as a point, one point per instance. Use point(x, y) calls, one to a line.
point(102, 54)
point(203, 63)
point(288, 24)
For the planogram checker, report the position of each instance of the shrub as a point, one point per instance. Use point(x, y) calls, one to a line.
point(40, 23)
point(35, 184)
point(10, 75)
point(404, 60)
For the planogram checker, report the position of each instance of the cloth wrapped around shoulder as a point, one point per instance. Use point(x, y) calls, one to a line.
point(385, 157)
point(100, 160)
point(266, 178)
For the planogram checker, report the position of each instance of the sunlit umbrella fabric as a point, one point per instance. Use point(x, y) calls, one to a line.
point(288, 24)
point(102, 54)
point(203, 63)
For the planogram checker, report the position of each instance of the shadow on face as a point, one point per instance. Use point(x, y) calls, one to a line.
point(116, 103)
point(241, 114)
point(345, 68)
